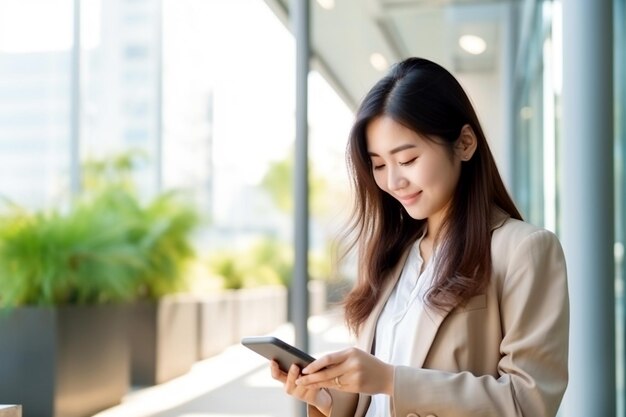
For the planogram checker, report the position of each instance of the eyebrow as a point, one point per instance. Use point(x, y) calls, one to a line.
point(395, 150)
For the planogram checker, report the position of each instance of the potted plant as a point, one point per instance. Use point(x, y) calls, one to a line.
point(164, 328)
point(67, 278)
point(163, 322)
point(64, 279)
point(255, 297)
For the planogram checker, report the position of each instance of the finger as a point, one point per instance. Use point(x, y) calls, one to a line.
point(292, 375)
point(277, 373)
point(319, 384)
point(332, 359)
point(321, 379)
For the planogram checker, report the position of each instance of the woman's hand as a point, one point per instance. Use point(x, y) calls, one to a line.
point(317, 397)
point(350, 370)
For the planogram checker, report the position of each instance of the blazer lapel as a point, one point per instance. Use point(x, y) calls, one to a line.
point(368, 329)
point(429, 322)
point(427, 326)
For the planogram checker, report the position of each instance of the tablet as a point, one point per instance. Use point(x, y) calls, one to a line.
point(275, 349)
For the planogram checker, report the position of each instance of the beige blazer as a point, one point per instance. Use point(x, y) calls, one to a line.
point(502, 354)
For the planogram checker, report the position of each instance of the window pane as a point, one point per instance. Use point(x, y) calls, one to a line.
point(120, 82)
point(228, 110)
point(35, 82)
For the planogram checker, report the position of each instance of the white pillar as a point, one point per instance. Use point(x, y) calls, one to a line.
point(300, 297)
point(587, 204)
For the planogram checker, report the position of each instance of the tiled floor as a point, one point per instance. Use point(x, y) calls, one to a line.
point(235, 383)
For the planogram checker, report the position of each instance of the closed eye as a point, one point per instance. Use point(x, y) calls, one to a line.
point(378, 167)
point(409, 162)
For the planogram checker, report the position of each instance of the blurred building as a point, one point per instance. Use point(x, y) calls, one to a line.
point(34, 126)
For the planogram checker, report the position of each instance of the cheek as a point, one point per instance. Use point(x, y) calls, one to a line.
point(380, 179)
point(443, 176)
point(431, 174)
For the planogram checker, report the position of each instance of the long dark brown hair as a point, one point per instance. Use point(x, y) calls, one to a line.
point(427, 99)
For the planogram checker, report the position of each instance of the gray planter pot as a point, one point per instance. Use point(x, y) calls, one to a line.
point(163, 339)
point(69, 361)
point(216, 323)
point(259, 310)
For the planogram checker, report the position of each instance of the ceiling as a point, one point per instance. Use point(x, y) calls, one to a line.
point(344, 37)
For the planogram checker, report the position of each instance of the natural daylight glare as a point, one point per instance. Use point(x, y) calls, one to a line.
point(312, 208)
point(181, 112)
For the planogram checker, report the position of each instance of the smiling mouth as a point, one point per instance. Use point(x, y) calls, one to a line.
point(409, 198)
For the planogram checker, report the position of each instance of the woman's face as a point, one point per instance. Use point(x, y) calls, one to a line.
point(417, 172)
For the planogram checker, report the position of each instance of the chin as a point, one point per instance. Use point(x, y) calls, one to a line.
point(416, 214)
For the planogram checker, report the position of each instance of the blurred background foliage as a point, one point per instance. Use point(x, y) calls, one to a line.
point(267, 262)
point(111, 246)
point(278, 182)
point(107, 247)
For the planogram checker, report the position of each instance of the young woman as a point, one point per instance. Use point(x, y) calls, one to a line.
point(460, 308)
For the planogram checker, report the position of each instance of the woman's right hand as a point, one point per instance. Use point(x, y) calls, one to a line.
point(319, 398)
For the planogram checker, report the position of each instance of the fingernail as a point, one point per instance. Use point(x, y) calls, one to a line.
point(298, 381)
point(305, 370)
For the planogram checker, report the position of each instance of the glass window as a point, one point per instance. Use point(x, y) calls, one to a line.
point(528, 182)
point(120, 83)
point(35, 100)
point(536, 184)
point(229, 126)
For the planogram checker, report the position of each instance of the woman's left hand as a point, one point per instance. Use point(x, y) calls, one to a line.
point(350, 370)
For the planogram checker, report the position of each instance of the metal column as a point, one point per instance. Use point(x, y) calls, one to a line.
point(158, 33)
point(75, 172)
point(587, 204)
point(299, 291)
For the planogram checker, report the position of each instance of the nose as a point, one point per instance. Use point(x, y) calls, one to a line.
point(396, 180)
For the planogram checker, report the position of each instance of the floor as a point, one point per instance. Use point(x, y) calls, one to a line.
point(235, 383)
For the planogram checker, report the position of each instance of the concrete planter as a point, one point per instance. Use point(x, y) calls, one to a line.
point(69, 361)
point(259, 310)
point(228, 316)
point(163, 339)
point(216, 322)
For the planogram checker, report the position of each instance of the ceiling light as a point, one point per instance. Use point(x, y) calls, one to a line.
point(326, 4)
point(379, 62)
point(473, 44)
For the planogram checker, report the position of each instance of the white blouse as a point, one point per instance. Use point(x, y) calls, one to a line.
point(396, 326)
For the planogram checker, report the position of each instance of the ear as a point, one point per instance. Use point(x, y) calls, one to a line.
point(466, 143)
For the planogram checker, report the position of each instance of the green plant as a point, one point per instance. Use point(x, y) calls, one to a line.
point(113, 171)
point(227, 265)
point(82, 257)
point(107, 248)
point(270, 253)
point(160, 229)
point(267, 262)
point(163, 234)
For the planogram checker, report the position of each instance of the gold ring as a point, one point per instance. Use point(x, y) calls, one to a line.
point(337, 382)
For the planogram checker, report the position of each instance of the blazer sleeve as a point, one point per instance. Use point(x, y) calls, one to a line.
point(344, 405)
point(532, 371)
